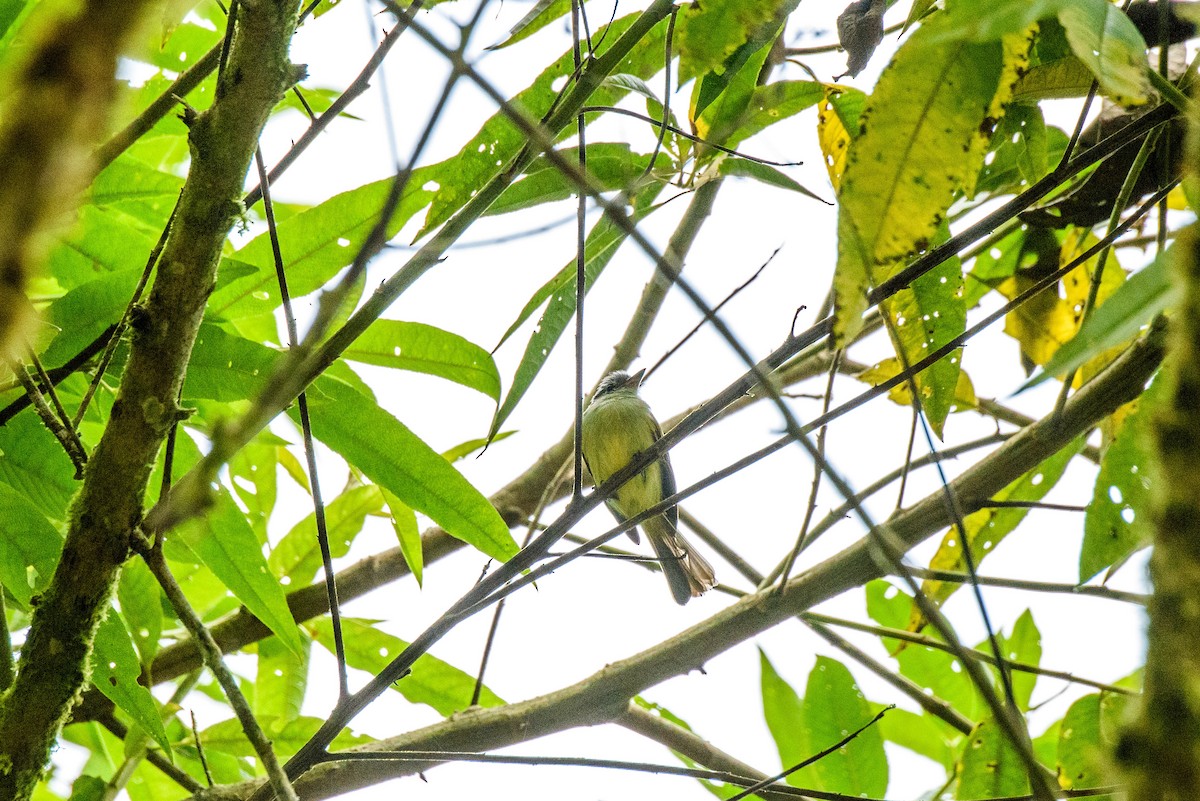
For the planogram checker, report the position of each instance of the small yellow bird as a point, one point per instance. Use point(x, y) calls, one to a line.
point(617, 426)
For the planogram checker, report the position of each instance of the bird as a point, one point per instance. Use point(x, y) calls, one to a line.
point(618, 425)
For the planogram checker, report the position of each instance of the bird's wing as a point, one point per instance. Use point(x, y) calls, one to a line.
point(667, 476)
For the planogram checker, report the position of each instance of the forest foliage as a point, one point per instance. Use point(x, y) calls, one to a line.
point(958, 204)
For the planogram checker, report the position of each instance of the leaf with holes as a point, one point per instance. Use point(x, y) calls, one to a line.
point(989, 767)
point(1116, 524)
point(986, 528)
point(427, 349)
point(838, 116)
point(115, 671)
point(297, 557)
point(923, 137)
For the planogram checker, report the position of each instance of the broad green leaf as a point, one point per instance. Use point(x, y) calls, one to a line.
point(137, 189)
point(253, 475)
point(226, 367)
point(925, 132)
point(987, 527)
point(774, 103)
point(1024, 645)
point(783, 711)
point(141, 603)
point(432, 682)
point(29, 546)
point(287, 736)
point(1051, 80)
point(766, 174)
point(297, 557)
point(833, 707)
point(1107, 42)
point(408, 536)
point(924, 316)
point(33, 464)
point(921, 734)
point(721, 99)
point(989, 767)
point(916, 11)
point(1115, 525)
point(928, 667)
point(10, 11)
point(1147, 293)
point(392, 456)
point(1045, 745)
point(226, 544)
point(499, 140)
point(317, 243)
point(708, 34)
point(1022, 151)
point(1033, 250)
point(1081, 754)
point(281, 680)
point(82, 314)
point(613, 165)
point(115, 671)
point(602, 243)
point(889, 368)
point(427, 349)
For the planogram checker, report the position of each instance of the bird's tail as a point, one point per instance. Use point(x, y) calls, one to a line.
point(688, 573)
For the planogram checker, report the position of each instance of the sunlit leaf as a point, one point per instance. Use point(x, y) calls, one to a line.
point(432, 681)
point(297, 557)
point(281, 680)
point(115, 671)
point(29, 546)
point(427, 349)
point(226, 544)
point(408, 536)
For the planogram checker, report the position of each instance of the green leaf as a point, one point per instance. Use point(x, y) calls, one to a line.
point(542, 14)
point(602, 243)
point(1148, 293)
point(287, 736)
point(464, 449)
point(297, 557)
point(708, 33)
point(987, 527)
point(432, 681)
point(925, 132)
point(766, 174)
point(1115, 525)
point(1080, 752)
point(775, 102)
point(1021, 152)
point(137, 189)
point(990, 768)
point(926, 666)
point(784, 713)
point(115, 671)
point(388, 453)
point(281, 680)
point(253, 476)
point(316, 244)
point(85, 312)
point(1107, 42)
point(833, 707)
point(499, 140)
point(225, 543)
point(926, 315)
point(408, 536)
point(1023, 645)
point(613, 165)
point(921, 734)
point(29, 546)
point(721, 99)
point(141, 603)
point(427, 349)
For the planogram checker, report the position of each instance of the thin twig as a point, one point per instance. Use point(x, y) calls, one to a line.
point(67, 438)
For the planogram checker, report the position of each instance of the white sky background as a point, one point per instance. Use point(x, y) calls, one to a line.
point(598, 611)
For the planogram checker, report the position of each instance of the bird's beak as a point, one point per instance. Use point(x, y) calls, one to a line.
point(635, 380)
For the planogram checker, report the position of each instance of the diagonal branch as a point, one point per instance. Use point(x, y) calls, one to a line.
point(604, 696)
